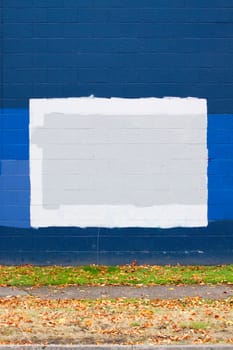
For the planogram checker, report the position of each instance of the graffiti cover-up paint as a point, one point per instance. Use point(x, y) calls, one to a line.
point(118, 162)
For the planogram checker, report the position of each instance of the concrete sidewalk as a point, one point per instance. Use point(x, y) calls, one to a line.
point(149, 292)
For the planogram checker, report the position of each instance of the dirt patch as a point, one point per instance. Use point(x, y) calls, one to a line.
point(28, 320)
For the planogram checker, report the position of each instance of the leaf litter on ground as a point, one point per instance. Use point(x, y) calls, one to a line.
point(31, 320)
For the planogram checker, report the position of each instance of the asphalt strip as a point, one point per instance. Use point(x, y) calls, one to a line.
point(215, 292)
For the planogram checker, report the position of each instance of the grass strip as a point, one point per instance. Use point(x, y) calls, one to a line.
point(28, 275)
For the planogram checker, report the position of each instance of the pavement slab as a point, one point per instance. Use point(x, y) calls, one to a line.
point(100, 292)
point(12, 292)
point(117, 347)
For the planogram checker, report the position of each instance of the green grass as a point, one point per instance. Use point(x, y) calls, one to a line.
point(114, 275)
point(195, 325)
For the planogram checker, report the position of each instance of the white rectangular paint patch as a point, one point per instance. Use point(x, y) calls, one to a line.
point(118, 162)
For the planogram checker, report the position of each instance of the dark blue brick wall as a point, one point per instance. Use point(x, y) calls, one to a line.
point(77, 246)
point(59, 48)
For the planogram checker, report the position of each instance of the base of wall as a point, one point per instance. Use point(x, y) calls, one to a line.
point(76, 246)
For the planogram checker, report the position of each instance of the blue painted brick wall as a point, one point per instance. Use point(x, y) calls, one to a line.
point(128, 48)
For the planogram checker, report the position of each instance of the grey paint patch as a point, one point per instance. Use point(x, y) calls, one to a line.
point(118, 136)
point(59, 121)
point(111, 160)
point(139, 152)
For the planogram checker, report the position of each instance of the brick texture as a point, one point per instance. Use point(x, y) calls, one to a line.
point(127, 48)
point(62, 48)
